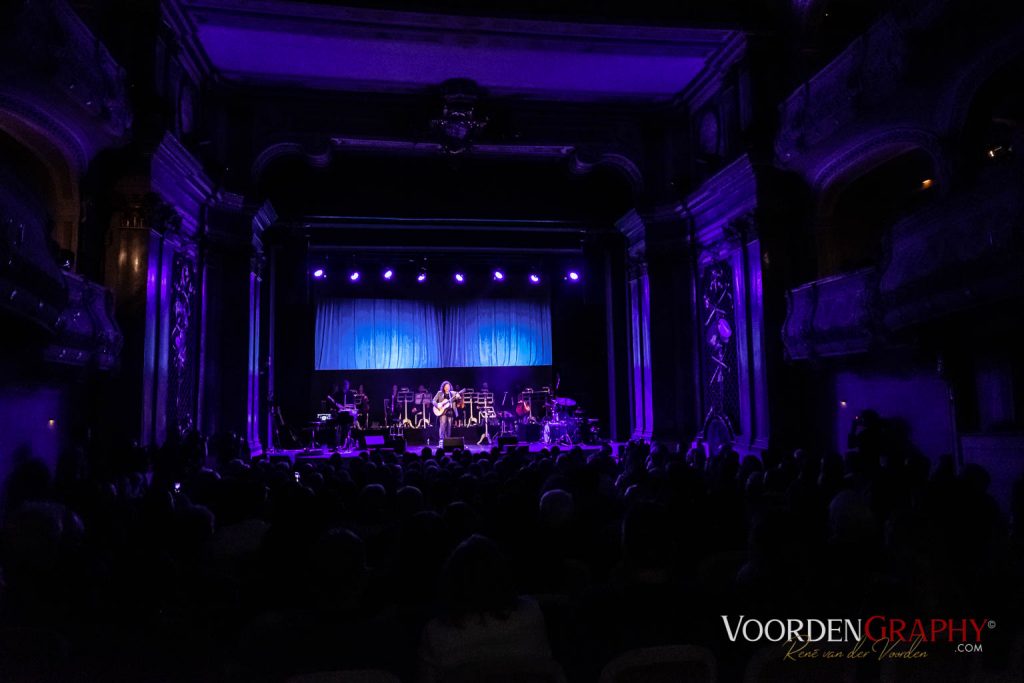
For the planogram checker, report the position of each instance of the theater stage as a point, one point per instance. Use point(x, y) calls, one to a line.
point(323, 454)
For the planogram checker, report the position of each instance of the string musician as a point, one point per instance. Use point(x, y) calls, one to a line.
point(446, 409)
point(341, 400)
point(393, 407)
point(363, 406)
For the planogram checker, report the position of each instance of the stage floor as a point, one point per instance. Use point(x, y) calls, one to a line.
point(326, 453)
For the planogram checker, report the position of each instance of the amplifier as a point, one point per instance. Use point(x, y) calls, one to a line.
point(453, 442)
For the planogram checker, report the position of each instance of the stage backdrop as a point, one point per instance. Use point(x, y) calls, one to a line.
point(395, 334)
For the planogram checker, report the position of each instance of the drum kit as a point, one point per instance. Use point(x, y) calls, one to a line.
point(560, 419)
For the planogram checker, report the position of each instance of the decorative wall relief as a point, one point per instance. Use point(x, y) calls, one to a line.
point(721, 381)
point(184, 346)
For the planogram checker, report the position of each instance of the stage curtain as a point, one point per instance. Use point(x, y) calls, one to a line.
point(497, 333)
point(393, 334)
point(377, 334)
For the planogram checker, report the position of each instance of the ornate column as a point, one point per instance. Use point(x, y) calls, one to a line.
point(641, 401)
point(173, 310)
point(731, 307)
point(260, 222)
point(151, 266)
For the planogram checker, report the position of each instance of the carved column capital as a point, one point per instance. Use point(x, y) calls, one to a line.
point(636, 263)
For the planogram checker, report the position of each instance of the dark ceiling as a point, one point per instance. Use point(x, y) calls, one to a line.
point(366, 185)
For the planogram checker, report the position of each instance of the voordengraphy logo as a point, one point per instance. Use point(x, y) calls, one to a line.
point(785, 630)
point(884, 636)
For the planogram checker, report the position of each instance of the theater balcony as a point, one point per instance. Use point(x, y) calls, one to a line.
point(833, 316)
point(64, 100)
point(963, 252)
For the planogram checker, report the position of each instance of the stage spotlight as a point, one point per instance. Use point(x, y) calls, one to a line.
point(460, 278)
point(422, 277)
point(534, 279)
point(574, 276)
point(319, 273)
point(388, 274)
point(499, 276)
point(354, 277)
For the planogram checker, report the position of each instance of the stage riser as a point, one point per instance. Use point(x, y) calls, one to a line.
point(419, 437)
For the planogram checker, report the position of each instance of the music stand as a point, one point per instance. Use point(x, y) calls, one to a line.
point(468, 395)
point(531, 397)
point(484, 401)
point(422, 399)
point(405, 397)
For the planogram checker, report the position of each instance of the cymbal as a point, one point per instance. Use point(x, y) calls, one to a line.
point(565, 402)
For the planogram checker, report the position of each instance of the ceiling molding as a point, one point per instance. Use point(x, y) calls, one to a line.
point(274, 43)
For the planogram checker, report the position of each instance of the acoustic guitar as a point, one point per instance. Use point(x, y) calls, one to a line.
point(455, 401)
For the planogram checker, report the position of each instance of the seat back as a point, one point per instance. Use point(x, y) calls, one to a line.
point(667, 664)
point(506, 671)
point(768, 665)
point(353, 676)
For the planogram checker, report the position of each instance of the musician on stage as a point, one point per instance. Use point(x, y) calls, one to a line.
point(338, 398)
point(343, 396)
point(445, 400)
point(393, 407)
point(362, 401)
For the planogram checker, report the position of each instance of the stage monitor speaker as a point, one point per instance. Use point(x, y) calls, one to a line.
point(507, 440)
point(415, 437)
point(529, 432)
point(274, 459)
point(453, 442)
point(397, 443)
point(373, 441)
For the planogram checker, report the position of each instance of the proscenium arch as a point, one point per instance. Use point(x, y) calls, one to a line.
point(581, 161)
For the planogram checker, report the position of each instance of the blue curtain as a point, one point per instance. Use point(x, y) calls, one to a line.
point(377, 334)
point(390, 334)
point(497, 333)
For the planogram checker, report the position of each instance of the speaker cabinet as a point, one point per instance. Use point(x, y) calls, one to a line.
point(397, 443)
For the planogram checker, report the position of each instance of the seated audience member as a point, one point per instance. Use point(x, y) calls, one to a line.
point(482, 618)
